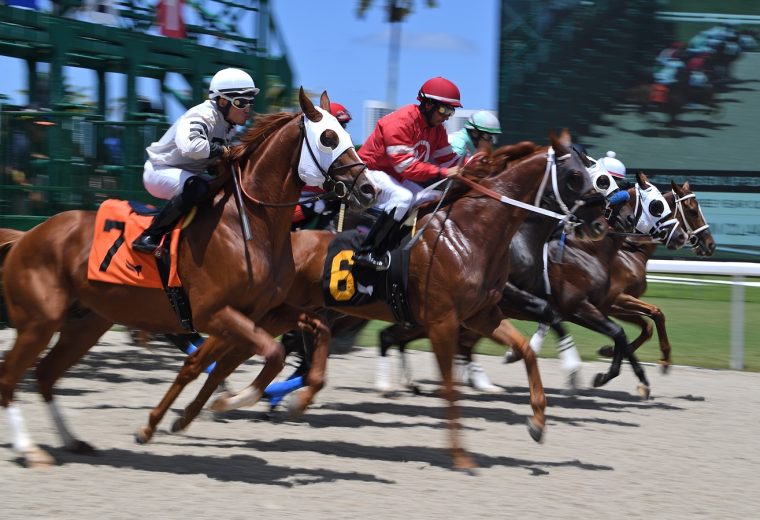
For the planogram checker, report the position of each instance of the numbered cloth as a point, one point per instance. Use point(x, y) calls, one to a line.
point(112, 258)
point(344, 283)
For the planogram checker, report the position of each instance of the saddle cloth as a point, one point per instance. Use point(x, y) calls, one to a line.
point(347, 284)
point(112, 260)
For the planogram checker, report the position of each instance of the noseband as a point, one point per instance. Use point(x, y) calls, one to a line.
point(693, 233)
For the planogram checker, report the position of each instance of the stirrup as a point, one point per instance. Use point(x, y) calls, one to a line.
point(369, 260)
point(146, 244)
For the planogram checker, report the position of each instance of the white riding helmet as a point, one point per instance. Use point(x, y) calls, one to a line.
point(232, 81)
point(613, 165)
point(484, 121)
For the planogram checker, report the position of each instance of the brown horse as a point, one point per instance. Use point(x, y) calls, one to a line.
point(629, 280)
point(456, 270)
point(231, 283)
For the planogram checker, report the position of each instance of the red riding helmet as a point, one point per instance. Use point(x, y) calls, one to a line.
point(340, 112)
point(440, 90)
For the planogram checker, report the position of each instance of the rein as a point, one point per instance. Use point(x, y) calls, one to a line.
point(693, 239)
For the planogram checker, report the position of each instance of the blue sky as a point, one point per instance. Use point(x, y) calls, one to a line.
point(331, 49)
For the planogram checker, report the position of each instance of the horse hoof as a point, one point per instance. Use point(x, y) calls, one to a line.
point(295, 408)
point(606, 351)
point(415, 389)
point(536, 431)
point(38, 458)
point(81, 447)
point(220, 403)
point(664, 366)
point(510, 357)
point(143, 435)
point(598, 380)
point(644, 391)
point(177, 425)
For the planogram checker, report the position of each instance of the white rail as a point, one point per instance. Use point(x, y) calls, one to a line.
point(738, 271)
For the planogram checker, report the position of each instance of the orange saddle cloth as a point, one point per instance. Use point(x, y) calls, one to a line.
point(112, 258)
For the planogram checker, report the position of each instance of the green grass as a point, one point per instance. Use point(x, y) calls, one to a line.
point(698, 320)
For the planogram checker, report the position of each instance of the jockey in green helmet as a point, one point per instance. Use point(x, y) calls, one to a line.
point(480, 125)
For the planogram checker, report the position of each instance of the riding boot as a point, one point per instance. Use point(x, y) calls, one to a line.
point(373, 252)
point(162, 224)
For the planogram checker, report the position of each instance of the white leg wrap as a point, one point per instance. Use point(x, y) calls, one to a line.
point(406, 370)
point(21, 440)
point(383, 374)
point(63, 431)
point(479, 379)
point(537, 340)
point(568, 354)
point(248, 396)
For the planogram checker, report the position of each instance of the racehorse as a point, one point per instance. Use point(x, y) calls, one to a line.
point(629, 281)
point(567, 278)
point(230, 282)
point(456, 269)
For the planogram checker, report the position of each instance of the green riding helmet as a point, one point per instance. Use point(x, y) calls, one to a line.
point(484, 121)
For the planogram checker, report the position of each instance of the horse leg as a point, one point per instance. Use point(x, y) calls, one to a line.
point(444, 338)
point(78, 335)
point(238, 332)
point(30, 342)
point(399, 335)
point(492, 324)
point(470, 371)
point(628, 305)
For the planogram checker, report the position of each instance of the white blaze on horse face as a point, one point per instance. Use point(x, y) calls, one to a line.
point(311, 172)
point(647, 221)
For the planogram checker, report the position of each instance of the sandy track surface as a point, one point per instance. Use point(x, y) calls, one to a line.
point(690, 452)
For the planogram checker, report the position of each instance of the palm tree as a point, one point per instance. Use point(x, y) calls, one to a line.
point(397, 11)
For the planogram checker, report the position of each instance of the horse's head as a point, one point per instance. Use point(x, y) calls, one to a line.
point(328, 157)
point(689, 214)
point(572, 188)
point(652, 215)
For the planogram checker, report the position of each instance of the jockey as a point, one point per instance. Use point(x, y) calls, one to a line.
point(613, 165)
point(341, 113)
point(407, 147)
point(319, 214)
point(482, 125)
point(177, 162)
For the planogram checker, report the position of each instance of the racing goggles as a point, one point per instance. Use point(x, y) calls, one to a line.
point(445, 110)
point(240, 101)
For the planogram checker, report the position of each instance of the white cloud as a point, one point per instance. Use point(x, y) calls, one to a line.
point(426, 41)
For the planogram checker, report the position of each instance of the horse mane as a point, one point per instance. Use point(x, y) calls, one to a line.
point(264, 126)
point(510, 152)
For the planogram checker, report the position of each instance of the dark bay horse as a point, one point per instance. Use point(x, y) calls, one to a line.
point(231, 283)
point(456, 270)
point(629, 280)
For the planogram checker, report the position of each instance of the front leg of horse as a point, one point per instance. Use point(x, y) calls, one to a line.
point(444, 338)
point(192, 368)
point(314, 325)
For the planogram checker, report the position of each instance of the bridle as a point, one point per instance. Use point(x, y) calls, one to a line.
point(663, 229)
point(337, 189)
point(693, 233)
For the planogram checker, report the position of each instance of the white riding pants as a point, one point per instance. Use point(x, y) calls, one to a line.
point(165, 182)
point(400, 196)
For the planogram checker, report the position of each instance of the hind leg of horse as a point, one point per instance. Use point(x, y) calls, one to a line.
point(635, 308)
point(399, 335)
point(444, 338)
point(78, 335)
point(30, 342)
point(492, 324)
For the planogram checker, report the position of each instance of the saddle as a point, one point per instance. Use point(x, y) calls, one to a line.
point(346, 284)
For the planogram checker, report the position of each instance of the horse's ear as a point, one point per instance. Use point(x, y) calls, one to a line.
point(324, 101)
point(686, 186)
point(641, 179)
point(676, 188)
point(565, 138)
point(308, 107)
point(559, 148)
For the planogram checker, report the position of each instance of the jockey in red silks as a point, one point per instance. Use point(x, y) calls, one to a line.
point(318, 214)
point(407, 147)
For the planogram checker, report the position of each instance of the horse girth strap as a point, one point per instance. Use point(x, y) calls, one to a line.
point(507, 200)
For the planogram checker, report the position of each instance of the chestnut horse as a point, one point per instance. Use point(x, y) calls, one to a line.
point(230, 282)
point(629, 270)
point(456, 269)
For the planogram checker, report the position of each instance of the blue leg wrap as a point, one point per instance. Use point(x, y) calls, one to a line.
point(279, 389)
point(191, 347)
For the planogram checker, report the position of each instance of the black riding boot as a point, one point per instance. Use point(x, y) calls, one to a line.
point(373, 252)
point(194, 191)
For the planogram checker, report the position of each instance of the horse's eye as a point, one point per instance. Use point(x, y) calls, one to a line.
point(329, 139)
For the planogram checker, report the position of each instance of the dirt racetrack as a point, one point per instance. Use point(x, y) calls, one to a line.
point(690, 452)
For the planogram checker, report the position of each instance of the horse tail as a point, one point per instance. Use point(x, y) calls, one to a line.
point(8, 237)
